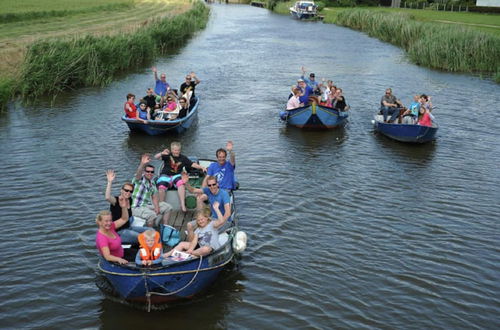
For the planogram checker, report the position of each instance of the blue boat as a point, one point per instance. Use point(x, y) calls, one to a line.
point(158, 127)
point(315, 116)
point(410, 133)
point(174, 279)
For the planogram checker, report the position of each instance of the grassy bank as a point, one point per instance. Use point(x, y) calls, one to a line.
point(438, 46)
point(457, 42)
point(85, 46)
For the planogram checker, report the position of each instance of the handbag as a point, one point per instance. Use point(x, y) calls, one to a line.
point(170, 235)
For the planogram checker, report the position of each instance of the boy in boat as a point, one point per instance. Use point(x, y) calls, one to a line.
point(173, 163)
point(150, 252)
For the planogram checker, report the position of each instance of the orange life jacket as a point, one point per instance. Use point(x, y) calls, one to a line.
point(150, 253)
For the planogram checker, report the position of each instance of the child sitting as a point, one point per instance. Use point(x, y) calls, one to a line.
point(206, 235)
point(150, 252)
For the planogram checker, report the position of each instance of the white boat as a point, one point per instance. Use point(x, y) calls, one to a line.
point(304, 9)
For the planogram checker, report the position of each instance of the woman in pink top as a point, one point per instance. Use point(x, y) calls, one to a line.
point(294, 102)
point(424, 119)
point(107, 240)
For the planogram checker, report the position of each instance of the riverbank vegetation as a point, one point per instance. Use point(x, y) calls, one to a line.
point(76, 43)
point(451, 41)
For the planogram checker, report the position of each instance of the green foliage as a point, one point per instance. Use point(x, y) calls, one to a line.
point(6, 90)
point(320, 4)
point(30, 15)
point(52, 66)
point(345, 3)
point(440, 46)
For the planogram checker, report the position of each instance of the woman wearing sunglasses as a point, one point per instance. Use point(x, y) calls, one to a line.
point(129, 231)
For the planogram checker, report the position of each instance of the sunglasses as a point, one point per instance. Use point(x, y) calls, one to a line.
point(212, 185)
point(149, 171)
point(126, 190)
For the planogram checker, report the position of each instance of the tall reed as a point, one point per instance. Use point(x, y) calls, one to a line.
point(6, 91)
point(434, 45)
point(52, 66)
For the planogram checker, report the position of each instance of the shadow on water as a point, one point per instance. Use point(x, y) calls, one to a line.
point(141, 142)
point(227, 289)
point(423, 152)
point(314, 138)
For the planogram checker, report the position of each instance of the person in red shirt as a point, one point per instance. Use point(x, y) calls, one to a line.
point(129, 107)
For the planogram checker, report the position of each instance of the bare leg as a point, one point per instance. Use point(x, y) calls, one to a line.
point(190, 232)
point(203, 251)
point(166, 217)
point(181, 191)
point(161, 194)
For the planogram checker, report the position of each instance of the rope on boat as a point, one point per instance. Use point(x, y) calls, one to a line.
point(178, 290)
point(163, 274)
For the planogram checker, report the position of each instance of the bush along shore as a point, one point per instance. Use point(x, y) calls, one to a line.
point(54, 65)
point(438, 46)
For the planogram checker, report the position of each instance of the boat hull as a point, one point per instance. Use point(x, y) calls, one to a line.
point(406, 132)
point(179, 280)
point(298, 15)
point(315, 117)
point(159, 127)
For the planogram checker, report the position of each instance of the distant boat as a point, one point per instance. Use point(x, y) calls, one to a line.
point(410, 133)
point(157, 127)
point(315, 116)
point(304, 10)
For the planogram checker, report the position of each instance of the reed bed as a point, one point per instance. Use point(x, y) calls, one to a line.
point(52, 66)
point(439, 46)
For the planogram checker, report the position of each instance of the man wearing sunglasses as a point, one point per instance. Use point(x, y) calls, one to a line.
point(214, 194)
point(130, 230)
point(145, 201)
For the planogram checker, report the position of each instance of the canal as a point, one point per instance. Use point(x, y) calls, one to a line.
point(347, 229)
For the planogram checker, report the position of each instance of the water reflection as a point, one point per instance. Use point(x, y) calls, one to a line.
point(187, 314)
point(419, 153)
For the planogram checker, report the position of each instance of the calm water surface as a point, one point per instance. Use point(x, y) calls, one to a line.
point(347, 228)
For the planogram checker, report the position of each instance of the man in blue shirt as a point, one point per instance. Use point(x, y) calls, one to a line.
point(162, 86)
point(214, 194)
point(223, 170)
point(306, 91)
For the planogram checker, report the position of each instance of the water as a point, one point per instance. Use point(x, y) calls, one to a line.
point(347, 229)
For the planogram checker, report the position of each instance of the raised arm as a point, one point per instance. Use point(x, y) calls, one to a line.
point(165, 152)
point(196, 80)
point(155, 70)
point(144, 160)
point(221, 219)
point(124, 204)
point(191, 189)
point(232, 156)
point(110, 175)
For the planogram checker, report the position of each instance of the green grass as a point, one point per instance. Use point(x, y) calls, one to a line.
point(446, 47)
point(52, 66)
point(24, 6)
point(66, 35)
